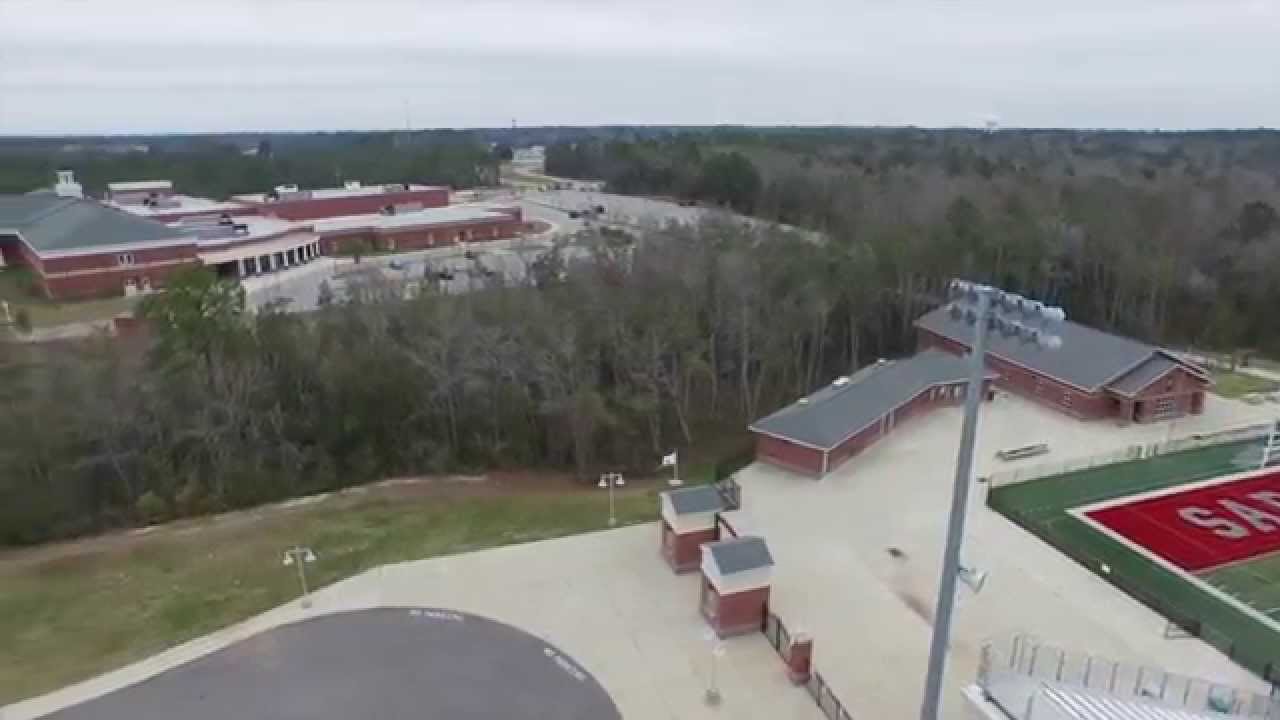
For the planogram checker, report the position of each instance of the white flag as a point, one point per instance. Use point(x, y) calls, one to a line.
point(670, 459)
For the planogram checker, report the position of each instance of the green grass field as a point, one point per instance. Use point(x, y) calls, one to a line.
point(1041, 506)
point(70, 611)
point(1237, 384)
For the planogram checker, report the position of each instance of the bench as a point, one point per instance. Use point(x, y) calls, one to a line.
point(1025, 451)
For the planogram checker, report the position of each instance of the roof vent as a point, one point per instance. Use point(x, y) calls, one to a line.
point(841, 381)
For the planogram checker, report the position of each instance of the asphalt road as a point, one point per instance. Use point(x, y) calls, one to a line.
point(384, 664)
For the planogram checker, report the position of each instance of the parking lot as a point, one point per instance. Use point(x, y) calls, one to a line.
point(298, 289)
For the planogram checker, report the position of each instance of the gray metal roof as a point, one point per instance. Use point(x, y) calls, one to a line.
point(740, 554)
point(696, 499)
point(829, 416)
point(1140, 377)
point(1088, 358)
point(51, 223)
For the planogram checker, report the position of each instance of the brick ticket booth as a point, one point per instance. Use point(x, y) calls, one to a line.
point(736, 575)
point(688, 520)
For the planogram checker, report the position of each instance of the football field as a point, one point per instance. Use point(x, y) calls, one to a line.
point(1255, 582)
point(1195, 535)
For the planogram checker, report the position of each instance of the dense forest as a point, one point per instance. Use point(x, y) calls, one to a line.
point(1173, 237)
point(218, 168)
point(654, 340)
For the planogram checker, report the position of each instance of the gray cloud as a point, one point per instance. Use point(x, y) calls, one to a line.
point(190, 65)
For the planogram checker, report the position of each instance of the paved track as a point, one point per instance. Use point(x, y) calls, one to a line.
point(388, 664)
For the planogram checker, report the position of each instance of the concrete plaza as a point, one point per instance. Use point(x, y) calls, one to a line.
point(870, 613)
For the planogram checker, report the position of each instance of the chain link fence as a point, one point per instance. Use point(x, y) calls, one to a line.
point(1195, 441)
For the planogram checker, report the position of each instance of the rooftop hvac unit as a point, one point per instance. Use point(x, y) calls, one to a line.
point(290, 188)
point(841, 381)
point(351, 185)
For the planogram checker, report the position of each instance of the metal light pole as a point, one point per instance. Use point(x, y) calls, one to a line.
point(611, 480)
point(301, 556)
point(712, 696)
point(988, 308)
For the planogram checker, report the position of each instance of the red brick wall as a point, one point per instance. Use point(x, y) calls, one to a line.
point(737, 613)
point(1031, 385)
point(788, 455)
point(108, 261)
point(354, 205)
point(423, 238)
point(854, 445)
point(108, 282)
point(686, 550)
point(1147, 409)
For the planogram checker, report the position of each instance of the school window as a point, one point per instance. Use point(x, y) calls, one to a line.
point(125, 259)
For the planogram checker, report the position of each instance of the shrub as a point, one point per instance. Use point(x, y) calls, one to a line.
point(151, 507)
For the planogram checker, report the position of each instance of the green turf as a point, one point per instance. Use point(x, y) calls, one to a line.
point(1041, 506)
point(1256, 582)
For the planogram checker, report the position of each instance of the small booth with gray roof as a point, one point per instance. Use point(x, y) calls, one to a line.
point(688, 519)
point(736, 577)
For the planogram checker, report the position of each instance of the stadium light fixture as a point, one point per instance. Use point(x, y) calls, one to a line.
point(985, 309)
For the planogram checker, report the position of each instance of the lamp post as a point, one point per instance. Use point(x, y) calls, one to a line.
point(611, 480)
point(301, 556)
point(712, 696)
point(985, 309)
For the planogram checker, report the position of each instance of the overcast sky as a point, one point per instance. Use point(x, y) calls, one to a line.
point(202, 65)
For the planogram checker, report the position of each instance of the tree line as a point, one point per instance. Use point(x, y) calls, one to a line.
point(217, 170)
point(1172, 237)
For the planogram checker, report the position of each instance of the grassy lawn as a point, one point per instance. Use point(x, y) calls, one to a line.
point(1041, 507)
point(69, 612)
point(1235, 384)
point(15, 286)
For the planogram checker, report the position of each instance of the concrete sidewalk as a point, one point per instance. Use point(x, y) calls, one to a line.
point(606, 599)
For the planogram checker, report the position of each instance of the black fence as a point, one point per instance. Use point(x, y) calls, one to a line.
point(775, 631)
point(1138, 584)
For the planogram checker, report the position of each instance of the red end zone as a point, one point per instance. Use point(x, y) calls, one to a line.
point(1205, 527)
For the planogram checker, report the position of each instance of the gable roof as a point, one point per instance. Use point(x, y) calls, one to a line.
point(1088, 359)
point(740, 554)
point(831, 415)
point(696, 499)
point(49, 223)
